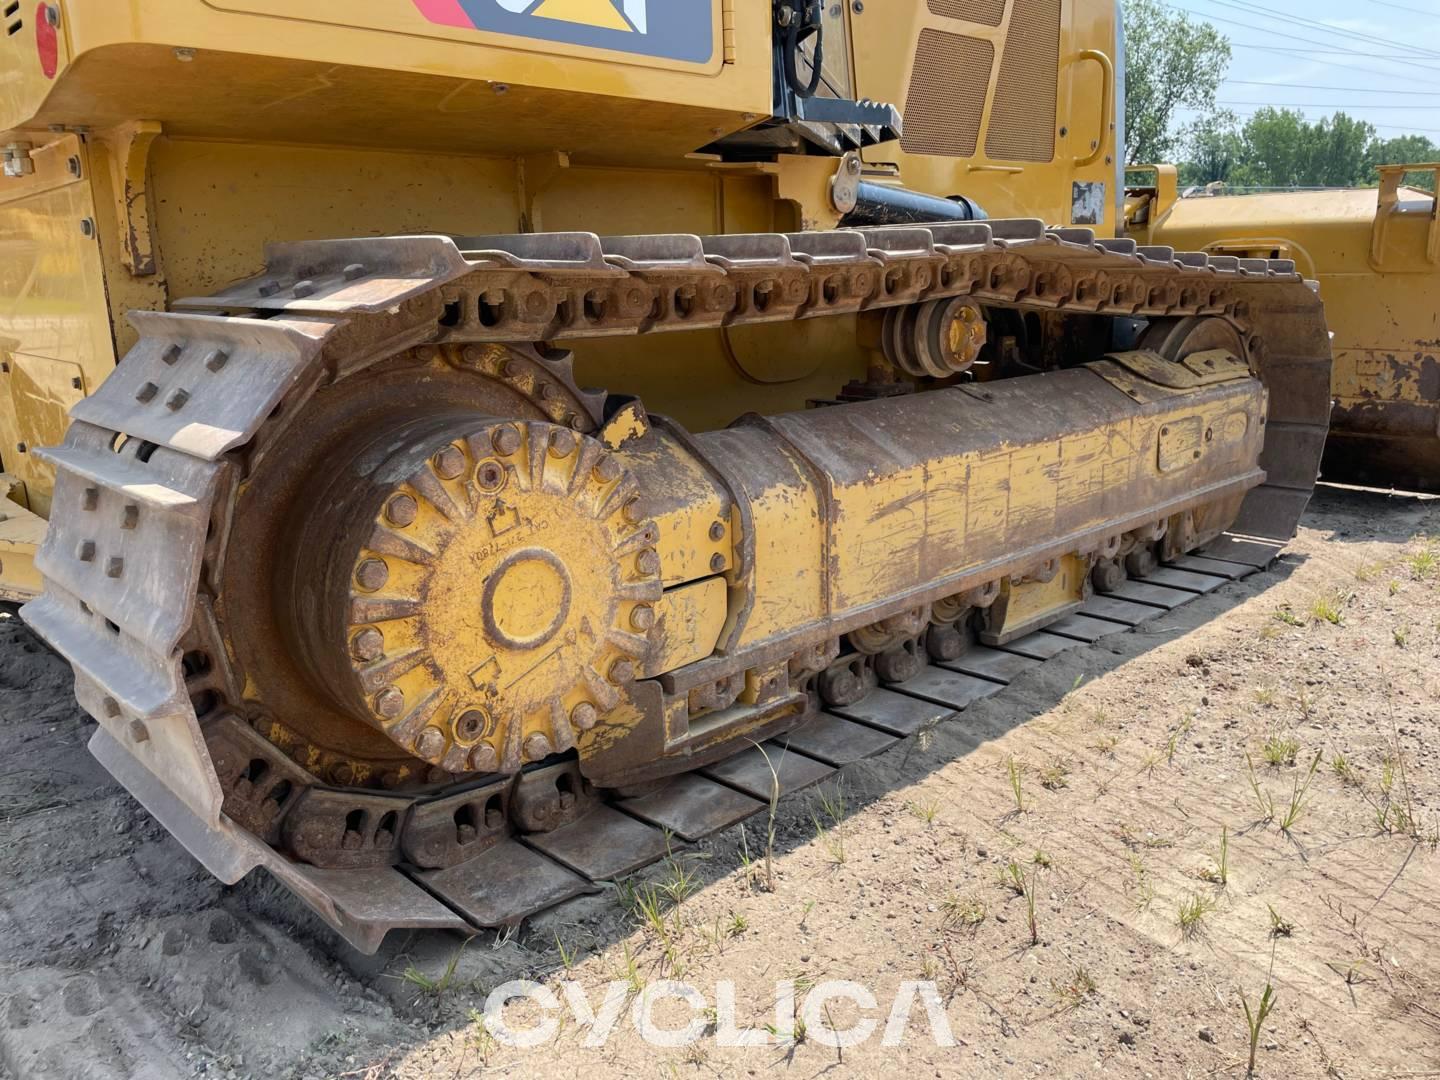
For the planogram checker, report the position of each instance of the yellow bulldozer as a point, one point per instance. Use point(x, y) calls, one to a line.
point(1375, 253)
point(364, 580)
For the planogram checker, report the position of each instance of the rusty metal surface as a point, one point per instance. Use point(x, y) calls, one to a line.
point(995, 664)
point(604, 844)
point(949, 688)
point(503, 885)
point(837, 741)
point(894, 712)
point(1174, 578)
point(1084, 628)
point(1159, 596)
point(768, 771)
point(1040, 645)
point(1200, 564)
point(693, 807)
point(199, 387)
point(1246, 550)
point(1125, 612)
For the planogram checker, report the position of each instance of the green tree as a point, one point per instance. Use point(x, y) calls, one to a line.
point(1171, 61)
point(1404, 150)
point(1216, 150)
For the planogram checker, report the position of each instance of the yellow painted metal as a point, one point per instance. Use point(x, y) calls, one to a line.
point(21, 531)
point(54, 319)
point(688, 621)
point(1024, 605)
point(885, 42)
point(1371, 253)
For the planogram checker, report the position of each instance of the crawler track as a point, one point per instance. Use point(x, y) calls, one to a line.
point(147, 476)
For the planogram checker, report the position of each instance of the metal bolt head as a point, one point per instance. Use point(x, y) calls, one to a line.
point(177, 400)
point(368, 644)
point(110, 707)
point(303, 289)
point(484, 758)
point(537, 747)
point(171, 354)
point(372, 574)
point(505, 439)
point(431, 743)
point(562, 443)
point(86, 551)
point(489, 475)
point(146, 392)
point(130, 516)
point(72, 165)
point(390, 703)
point(449, 463)
point(717, 563)
point(216, 359)
point(584, 716)
point(607, 470)
point(634, 512)
point(402, 510)
point(648, 562)
point(87, 227)
point(622, 672)
point(471, 725)
point(717, 531)
point(139, 732)
point(90, 499)
point(115, 567)
point(353, 272)
point(642, 618)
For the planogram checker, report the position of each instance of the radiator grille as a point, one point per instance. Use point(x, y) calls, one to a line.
point(1022, 121)
point(947, 94)
point(989, 12)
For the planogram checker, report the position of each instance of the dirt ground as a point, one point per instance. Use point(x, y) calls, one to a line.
point(1095, 869)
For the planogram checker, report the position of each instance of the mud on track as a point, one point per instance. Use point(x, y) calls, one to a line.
point(121, 958)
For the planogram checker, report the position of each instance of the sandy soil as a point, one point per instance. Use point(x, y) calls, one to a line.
point(121, 958)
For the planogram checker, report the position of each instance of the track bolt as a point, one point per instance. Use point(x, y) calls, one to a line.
point(584, 716)
point(717, 531)
point(171, 354)
point(622, 672)
point(372, 574)
point(648, 562)
point(146, 392)
point(177, 400)
point(90, 499)
point(303, 289)
point(111, 707)
point(489, 475)
point(268, 288)
point(216, 359)
point(505, 439)
point(390, 702)
point(401, 510)
point(717, 563)
point(642, 618)
point(130, 516)
point(562, 443)
point(537, 747)
point(471, 725)
point(353, 272)
point(449, 463)
point(139, 732)
point(484, 758)
point(607, 470)
point(115, 567)
point(431, 742)
point(368, 644)
point(86, 551)
point(634, 513)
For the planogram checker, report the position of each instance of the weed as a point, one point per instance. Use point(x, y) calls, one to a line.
point(1074, 990)
point(1255, 1020)
point(1140, 888)
point(926, 812)
point(1175, 736)
point(1369, 572)
point(1265, 697)
point(1105, 744)
point(1269, 632)
point(1015, 770)
point(1280, 750)
point(680, 881)
point(737, 925)
point(1394, 587)
point(1329, 607)
point(1219, 874)
point(567, 958)
point(1401, 634)
point(1013, 878)
point(1343, 770)
point(1423, 564)
point(1264, 801)
point(1289, 618)
point(630, 970)
point(832, 802)
point(1043, 860)
point(1054, 776)
point(1279, 925)
point(830, 840)
point(1298, 804)
point(1191, 913)
point(1030, 909)
point(436, 987)
point(967, 911)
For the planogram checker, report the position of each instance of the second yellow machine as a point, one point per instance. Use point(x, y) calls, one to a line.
point(362, 578)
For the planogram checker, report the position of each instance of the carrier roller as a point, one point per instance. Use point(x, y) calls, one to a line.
point(361, 587)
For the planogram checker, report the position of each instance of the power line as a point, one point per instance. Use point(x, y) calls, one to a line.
point(1320, 105)
point(1402, 7)
point(1382, 127)
point(1324, 45)
point(1341, 89)
point(1335, 31)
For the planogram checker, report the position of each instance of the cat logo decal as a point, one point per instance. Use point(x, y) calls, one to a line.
point(669, 29)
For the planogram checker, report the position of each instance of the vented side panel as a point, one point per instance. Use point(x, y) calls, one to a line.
point(989, 12)
point(1022, 121)
point(947, 94)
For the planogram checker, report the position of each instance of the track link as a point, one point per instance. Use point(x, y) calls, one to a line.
point(146, 476)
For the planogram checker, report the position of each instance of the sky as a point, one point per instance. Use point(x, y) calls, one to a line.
point(1376, 60)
